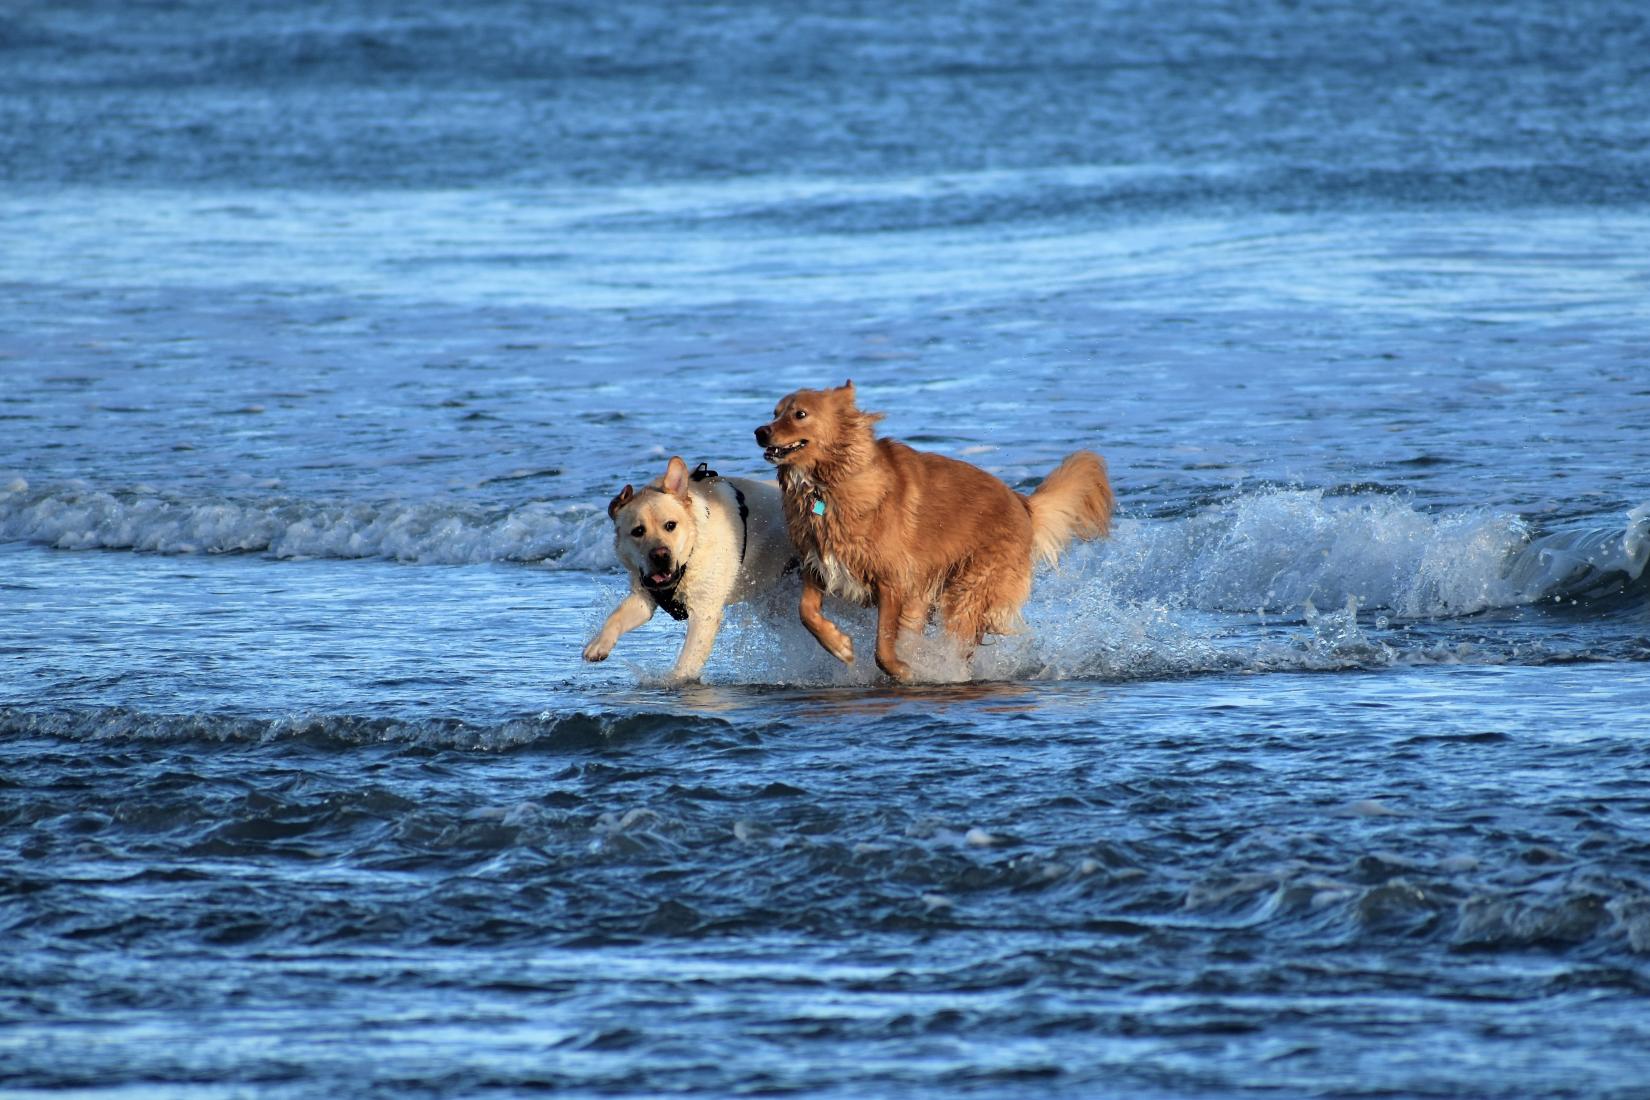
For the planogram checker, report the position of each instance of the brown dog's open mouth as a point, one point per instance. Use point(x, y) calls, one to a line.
point(775, 454)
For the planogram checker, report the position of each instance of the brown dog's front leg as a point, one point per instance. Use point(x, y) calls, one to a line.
point(889, 608)
point(825, 632)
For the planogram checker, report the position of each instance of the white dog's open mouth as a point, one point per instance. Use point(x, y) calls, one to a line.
point(661, 582)
point(774, 454)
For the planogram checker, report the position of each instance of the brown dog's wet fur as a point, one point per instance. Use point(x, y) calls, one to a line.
point(912, 532)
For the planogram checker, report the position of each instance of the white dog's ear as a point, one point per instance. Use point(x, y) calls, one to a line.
point(676, 477)
point(619, 501)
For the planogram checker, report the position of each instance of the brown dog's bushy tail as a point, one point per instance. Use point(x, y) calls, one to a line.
point(1073, 502)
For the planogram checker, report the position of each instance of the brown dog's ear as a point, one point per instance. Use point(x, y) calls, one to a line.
point(619, 501)
point(856, 414)
point(676, 477)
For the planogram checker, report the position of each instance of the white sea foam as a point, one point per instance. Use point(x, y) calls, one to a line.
point(78, 518)
point(1275, 552)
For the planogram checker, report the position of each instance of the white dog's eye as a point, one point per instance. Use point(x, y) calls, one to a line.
point(802, 414)
point(670, 525)
point(638, 532)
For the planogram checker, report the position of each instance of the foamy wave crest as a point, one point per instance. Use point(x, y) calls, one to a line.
point(1291, 551)
point(76, 518)
point(1277, 551)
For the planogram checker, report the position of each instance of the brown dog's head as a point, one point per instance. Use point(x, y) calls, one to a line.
point(813, 429)
point(655, 530)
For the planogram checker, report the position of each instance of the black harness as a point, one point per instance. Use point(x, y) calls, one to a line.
point(703, 472)
point(666, 598)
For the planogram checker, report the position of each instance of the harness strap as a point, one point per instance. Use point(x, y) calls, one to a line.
point(703, 472)
point(744, 521)
point(668, 602)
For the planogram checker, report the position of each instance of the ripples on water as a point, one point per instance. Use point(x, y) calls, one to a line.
point(326, 331)
point(1088, 886)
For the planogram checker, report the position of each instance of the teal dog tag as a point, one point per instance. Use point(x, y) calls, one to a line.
point(819, 507)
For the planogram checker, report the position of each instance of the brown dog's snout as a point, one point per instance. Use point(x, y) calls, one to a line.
point(763, 434)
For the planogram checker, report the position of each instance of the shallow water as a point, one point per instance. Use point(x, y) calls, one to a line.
point(328, 330)
point(1355, 882)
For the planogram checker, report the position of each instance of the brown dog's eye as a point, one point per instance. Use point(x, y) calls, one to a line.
point(638, 532)
point(670, 525)
point(802, 414)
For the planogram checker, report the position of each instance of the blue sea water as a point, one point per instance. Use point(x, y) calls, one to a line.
point(328, 327)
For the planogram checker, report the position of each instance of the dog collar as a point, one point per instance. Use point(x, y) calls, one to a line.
point(816, 507)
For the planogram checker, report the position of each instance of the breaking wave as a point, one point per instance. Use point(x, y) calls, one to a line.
point(1273, 554)
point(1283, 551)
point(78, 518)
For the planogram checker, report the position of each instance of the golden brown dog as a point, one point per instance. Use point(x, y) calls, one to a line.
point(909, 531)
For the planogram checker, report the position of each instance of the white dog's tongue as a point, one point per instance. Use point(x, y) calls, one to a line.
point(659, 578)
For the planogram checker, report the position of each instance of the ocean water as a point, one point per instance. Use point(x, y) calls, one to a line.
point(328, 328)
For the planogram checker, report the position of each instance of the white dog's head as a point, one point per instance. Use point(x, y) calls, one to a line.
point(655, 530)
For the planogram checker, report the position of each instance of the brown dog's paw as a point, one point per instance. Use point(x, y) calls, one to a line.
point(840, 646)
point(896, 669)
point(598, 649)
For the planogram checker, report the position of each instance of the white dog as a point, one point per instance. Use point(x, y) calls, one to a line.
point(692, 544)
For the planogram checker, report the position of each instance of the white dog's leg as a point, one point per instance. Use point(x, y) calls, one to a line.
point(701, 635)
point(634, 610)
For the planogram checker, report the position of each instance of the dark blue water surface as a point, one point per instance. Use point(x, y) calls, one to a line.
point(327, 329)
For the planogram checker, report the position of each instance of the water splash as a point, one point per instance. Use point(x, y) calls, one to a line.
point(1273, 581)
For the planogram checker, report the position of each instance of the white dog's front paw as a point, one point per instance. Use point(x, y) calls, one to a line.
point(598, 649)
